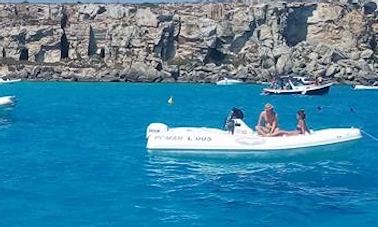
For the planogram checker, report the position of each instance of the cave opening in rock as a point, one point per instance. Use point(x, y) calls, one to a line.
point(22, 37)
point(159, 67)
point(296, 26)
point(4, 54)
point(166, 48)
point(92, 46)
point(214, 56)
point(370, 7)
point(39, 57)
point(373, 42)
point(101, 10)
point(102, 53)
point(64, 46)
point(63, 20)
point(24, 54)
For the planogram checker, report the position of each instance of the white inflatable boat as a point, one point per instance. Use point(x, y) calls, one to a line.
point(243, 139)
point(227, 81)
point(8, 81)
point(365, 87)
point(6, 100)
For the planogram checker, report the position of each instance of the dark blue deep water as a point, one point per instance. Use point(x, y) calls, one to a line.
point(73, 154)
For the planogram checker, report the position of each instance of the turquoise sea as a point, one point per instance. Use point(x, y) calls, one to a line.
point(73, 154)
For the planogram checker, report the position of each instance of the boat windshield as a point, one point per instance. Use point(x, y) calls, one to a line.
point(282, 83)
point(287, 82)
point(300, 80)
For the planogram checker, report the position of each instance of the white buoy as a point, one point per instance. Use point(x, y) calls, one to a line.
point(170, 100)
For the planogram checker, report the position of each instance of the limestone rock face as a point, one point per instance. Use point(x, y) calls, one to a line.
point(117, 11)
point(144, 17)
point(336, 25)
point(245, 39)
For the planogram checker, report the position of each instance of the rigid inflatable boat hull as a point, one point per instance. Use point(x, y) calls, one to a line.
point(206, 139)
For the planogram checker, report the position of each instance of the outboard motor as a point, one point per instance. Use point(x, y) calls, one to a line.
point(241, 128)
point(156, 128)
point(230, 120)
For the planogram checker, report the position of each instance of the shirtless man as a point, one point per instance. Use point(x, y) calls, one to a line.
point(267, 124)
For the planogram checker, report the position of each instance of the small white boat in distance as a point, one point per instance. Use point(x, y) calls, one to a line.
point(9, 81)
point(365, 87)
point(7, 100)
point(227, 81)
point(242, 139)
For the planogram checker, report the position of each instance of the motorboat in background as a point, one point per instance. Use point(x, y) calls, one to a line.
point(8, 81)
point(227, 81)
point(365, 87)
point(291, 85)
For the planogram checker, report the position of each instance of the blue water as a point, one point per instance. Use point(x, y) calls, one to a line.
point(73, 154)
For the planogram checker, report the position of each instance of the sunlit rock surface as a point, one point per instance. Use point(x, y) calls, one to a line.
point(250, 40)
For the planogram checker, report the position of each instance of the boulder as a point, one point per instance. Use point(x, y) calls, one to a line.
point(348, 70)
point(333, 25)
point(145, 17)
point(88, 10)
point(366, 54)
point(325, 12)
point(331, 70)
point(281, 50)
point(117, 12)
point(201, 29)
point(354, 55)
point(265, 32)
point(268, 63)
point(284, 64)
point(336, 55)
point(313, 56)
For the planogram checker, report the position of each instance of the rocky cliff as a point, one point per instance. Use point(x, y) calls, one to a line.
point(249, 40)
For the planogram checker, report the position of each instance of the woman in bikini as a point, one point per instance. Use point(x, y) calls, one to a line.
point(301, 123)
point(300, 129)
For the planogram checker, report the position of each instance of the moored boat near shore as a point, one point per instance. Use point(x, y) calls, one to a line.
point(300, 90)
point(297, 86)
point(227, 81)
point(9, 81)
point(365, 87)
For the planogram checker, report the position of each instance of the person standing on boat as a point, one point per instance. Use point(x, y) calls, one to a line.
point(267, 124)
